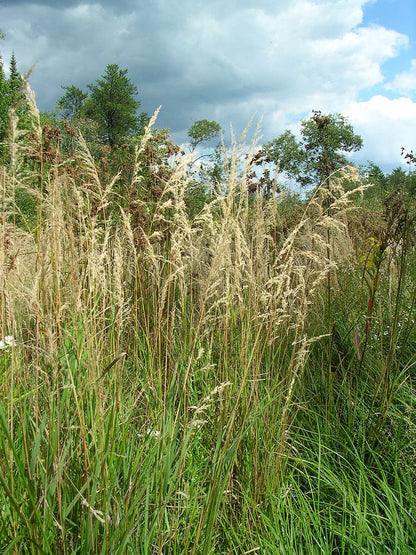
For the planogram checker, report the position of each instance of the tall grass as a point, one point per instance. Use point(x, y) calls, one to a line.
point(181, 386)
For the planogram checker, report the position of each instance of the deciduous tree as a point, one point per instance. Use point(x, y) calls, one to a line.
point(325, 139)
point(203, 130)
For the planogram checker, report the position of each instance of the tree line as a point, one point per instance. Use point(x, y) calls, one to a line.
point(107, 114)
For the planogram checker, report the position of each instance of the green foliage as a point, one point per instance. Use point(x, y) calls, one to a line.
point(196, 199)
point(383, 184)
point(26, 211)
point(203, 130)
point(286, 152)
point(325, 138)
point(11, 97)
point(399, 178)
point(143, 168)
point(15, 83)
point(320, 152)
point(105, 115)
point(4, 105)
point(72, 103)
point(375, 176)
point(112, 104)
point(211, 164)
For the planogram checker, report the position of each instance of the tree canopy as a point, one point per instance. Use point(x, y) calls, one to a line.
point(72, 103)
point(111, 103)
point(325, 139)
point(203, 130)
point(3, 103)
point(11, 96)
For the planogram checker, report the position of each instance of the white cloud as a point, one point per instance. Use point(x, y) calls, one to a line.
point(386, 126)
point(405, 82)
point(224, 60)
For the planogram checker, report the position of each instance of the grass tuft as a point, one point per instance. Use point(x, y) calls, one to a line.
point(216, 382)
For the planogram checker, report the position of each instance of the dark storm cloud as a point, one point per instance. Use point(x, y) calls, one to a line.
point(169, 54)
point(61, 4)
point(221, 59)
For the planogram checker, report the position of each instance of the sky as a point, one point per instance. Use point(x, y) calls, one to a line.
point(233, 61)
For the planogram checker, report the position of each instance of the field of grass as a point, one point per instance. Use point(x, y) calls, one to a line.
point(242, 381)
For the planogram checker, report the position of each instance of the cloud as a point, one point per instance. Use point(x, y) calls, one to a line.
point(386, 126)
point(217, 60)
point(405, 82)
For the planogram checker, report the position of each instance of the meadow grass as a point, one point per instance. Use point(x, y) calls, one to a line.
point(214, 384)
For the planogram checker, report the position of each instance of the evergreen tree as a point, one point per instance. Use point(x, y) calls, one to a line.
point(113, 106)
point(397, 177)
point(15, 84)
point(72, 103)
point(2, 94)
point(3, 104)
point(11, 96)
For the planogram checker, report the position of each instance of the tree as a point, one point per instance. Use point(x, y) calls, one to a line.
point(4, 107)
point(72, 103)
point(286, 152)
point(325, 138)
point(373, 175)
point(16, 95)
point(400, 179)
point(203, 130)
point(112, 104)
point(397, 177)
point(11, 96)
point(15, 82)
point(3, 101)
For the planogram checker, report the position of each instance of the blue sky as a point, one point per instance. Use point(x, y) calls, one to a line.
point(232, 60)
point(399, 15)
point(395, 14)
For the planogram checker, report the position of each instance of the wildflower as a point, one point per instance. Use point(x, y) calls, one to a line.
point(151, 432)
point(8, 342)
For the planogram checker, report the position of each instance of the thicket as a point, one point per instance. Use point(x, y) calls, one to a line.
point(190, 367)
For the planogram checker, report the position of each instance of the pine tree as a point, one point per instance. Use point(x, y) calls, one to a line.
point(113, 106)
point(72, 103)
point(4, 106)
point(11, 96)
point(15, 83)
